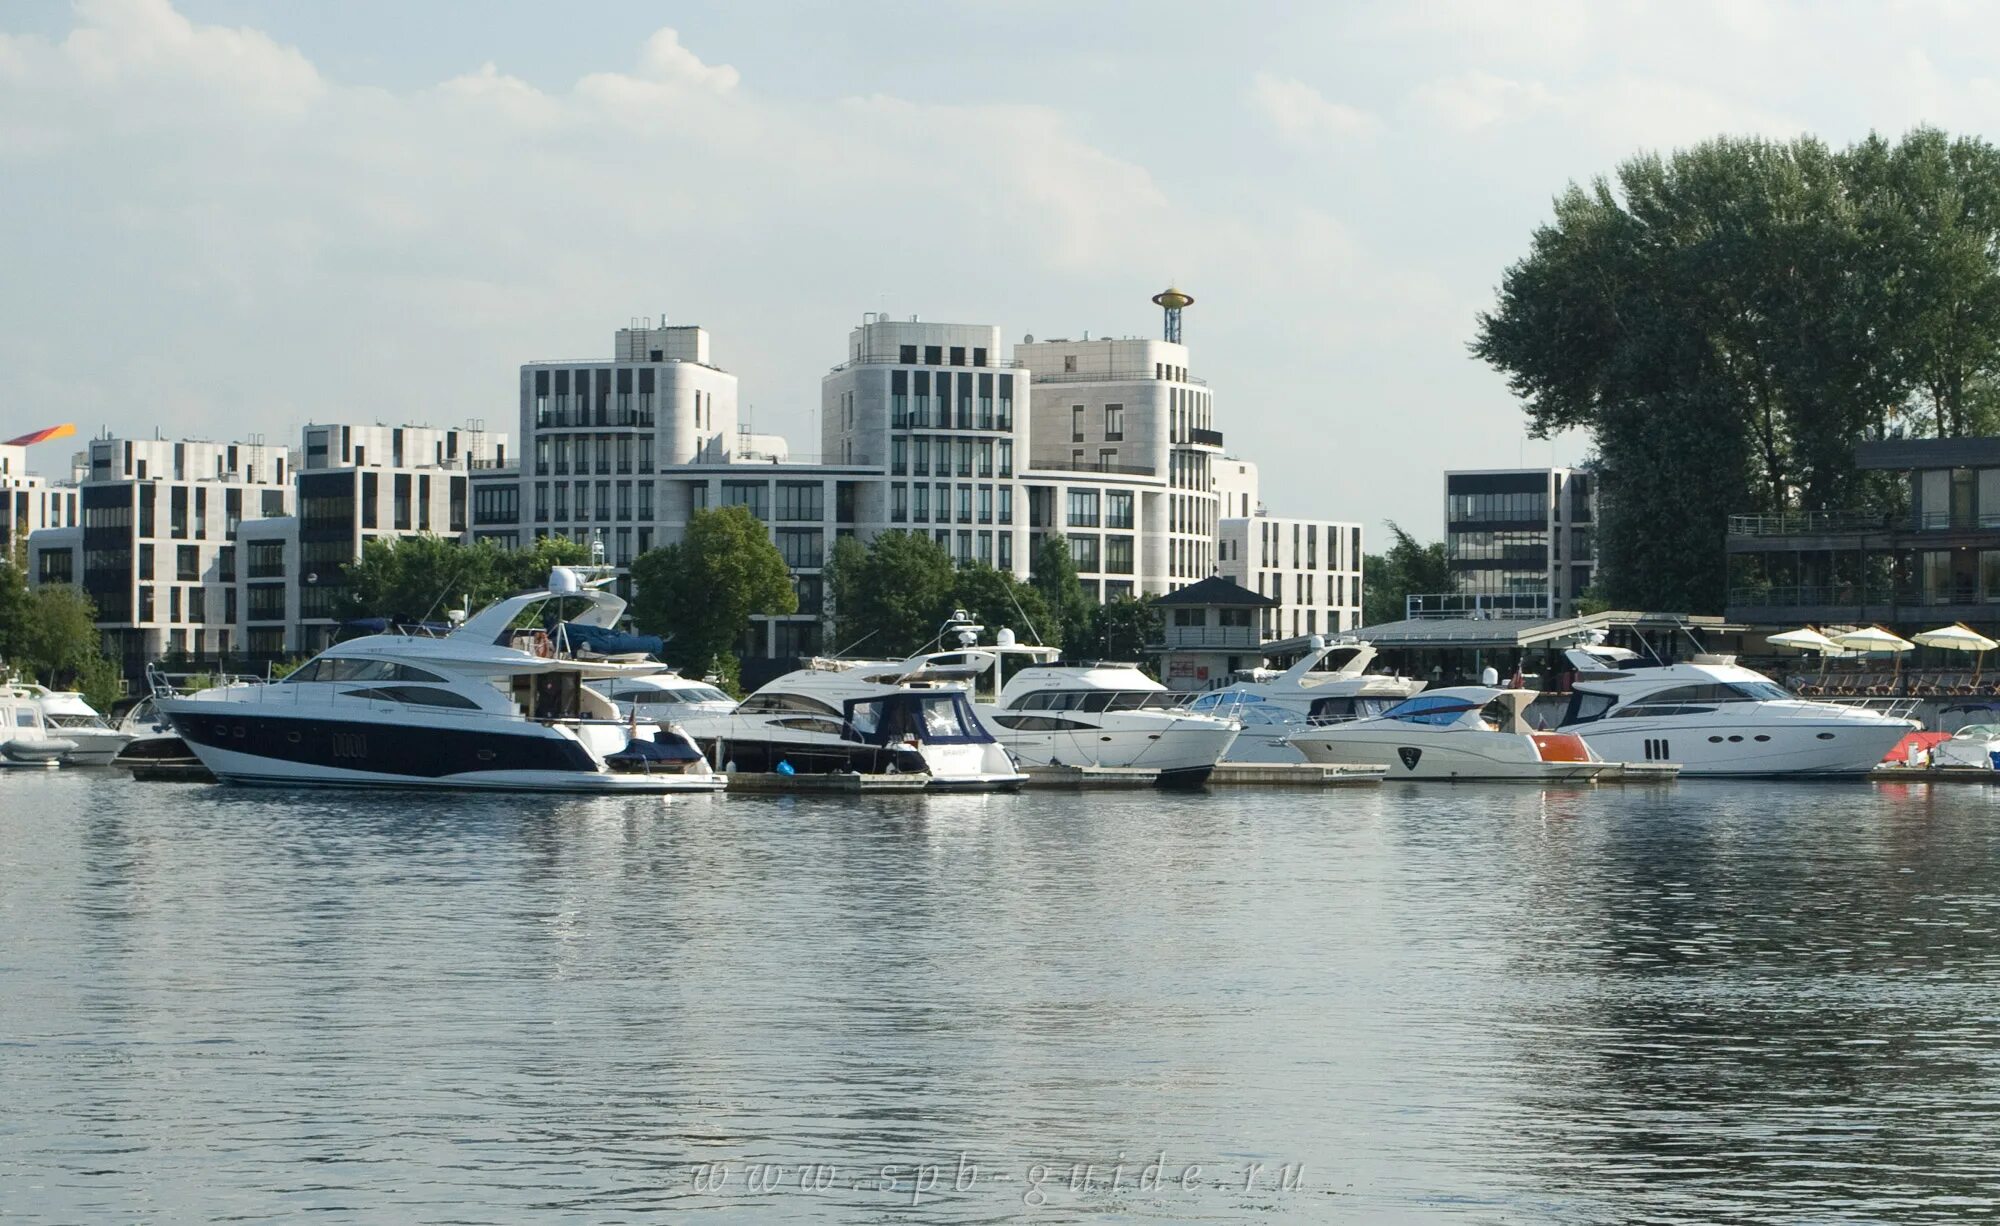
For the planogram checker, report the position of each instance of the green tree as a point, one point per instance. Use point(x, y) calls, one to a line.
point(994, 598)
point(1409, 567)
point(1054, 576)
point(1122, 629)
point(889, 596)
point(411, 578)
point(49, 634)
point(702, 591)
point(1728, 321)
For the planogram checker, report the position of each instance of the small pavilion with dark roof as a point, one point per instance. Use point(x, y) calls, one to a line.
point(1208, 631)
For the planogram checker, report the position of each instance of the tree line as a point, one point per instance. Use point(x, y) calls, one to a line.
point(1728, 321)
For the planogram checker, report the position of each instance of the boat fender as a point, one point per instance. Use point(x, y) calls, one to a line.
point(785, 768)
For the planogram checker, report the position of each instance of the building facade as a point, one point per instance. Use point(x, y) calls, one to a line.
point(1520, 541)
point(1935, 558)
point(30, 502)
point(1310, 569)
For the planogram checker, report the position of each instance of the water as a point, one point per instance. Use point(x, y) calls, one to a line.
point(1468, 1004)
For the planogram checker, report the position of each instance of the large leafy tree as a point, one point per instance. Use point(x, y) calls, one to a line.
point(49, 634)
point(1122, 629)
point(413, 577)
point(1054, 576)
point(890, 595)
point(1409, 566)
point(994, 598)
point(1728, 321)
point(702, 591)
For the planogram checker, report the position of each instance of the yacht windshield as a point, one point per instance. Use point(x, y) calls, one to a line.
point(77, 721)
point(932, 719)
point(1431, 709)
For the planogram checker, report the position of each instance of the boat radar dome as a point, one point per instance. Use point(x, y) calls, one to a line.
point(1005, 638)
point(1316, 642)
point(563, 581)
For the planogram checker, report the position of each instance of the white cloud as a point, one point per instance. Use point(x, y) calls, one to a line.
point(1304, 116)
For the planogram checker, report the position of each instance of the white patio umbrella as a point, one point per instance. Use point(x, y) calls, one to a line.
point(1875, 638)
point(1959, 637)
point(1808, 639)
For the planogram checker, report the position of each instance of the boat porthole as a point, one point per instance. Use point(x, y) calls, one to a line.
point(1104, 738)
point(222, 730)
point(293, 737)
point(1826, 736)
point(1735, 739)
point(1715, 740)
point(240, 734)
point(1761, 737)
point(485, 755)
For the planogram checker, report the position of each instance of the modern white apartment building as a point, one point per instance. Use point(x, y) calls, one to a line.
point(1127, 408)
point(155, 548)
point(1312, 568)
point(1521, 542)
point(29, 502)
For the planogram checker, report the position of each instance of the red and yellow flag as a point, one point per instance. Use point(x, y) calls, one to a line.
point(42, 436)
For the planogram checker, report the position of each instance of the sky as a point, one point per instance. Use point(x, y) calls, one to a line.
point(224, 218)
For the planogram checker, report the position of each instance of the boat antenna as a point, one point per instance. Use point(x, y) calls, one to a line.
point(444, 590)
point(857, 642)
point(1025, 619)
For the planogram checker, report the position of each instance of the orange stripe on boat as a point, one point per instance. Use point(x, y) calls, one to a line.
point(1561, 747)
point(42, 436)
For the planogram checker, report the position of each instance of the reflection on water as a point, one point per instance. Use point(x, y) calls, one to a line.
point(1705, 1001)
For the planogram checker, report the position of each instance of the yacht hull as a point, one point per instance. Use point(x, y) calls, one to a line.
point(94, 747)
point(1184, 752)
point(240, 746)
point(1458, 755)
point(1779, 748)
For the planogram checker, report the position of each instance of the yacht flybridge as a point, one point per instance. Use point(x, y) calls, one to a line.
point(1717, 718)
point(868, 717)
point(489, 705)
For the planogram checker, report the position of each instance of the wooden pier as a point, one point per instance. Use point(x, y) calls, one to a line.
point(841, 783)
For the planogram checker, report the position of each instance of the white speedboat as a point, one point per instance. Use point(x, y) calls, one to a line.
point(1104, 715)
point(154, 752)
point(487, 706)
point(25, 739)
point(1715, 717)
point(868, 717)
point(1973, 747)
point(1329, 684)
point(1461, 732)
point(69, 717)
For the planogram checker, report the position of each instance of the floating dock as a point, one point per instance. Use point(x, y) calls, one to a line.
point(844, 782)
point(1092, 777)
point(1892, 773)
point(1642, 772)
point(1294, 775)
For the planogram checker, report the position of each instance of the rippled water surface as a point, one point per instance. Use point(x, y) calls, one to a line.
point(1688, 1003)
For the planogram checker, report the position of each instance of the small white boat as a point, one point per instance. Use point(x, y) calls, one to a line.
point(24, 735)
point(69, 717)
point(154, 752)
point(1462, 732)
point(1973, 747)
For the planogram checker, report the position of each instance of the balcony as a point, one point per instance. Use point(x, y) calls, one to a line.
point(1091, 466)
point(1811, 523)
point(1205, 438)
point(1225, 637)
point(1112, 376)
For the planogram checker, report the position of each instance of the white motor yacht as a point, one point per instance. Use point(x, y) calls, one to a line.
point(1461, 732)
point(1329, 684)
point(868, 717)
point(69, 717)
point(25, 738)
point(664, 697)
point(487, 706)
point(1715, 717)
point(1051, 714)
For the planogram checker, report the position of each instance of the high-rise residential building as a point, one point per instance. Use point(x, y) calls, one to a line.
point(1520, 542)
point(1310, 568)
